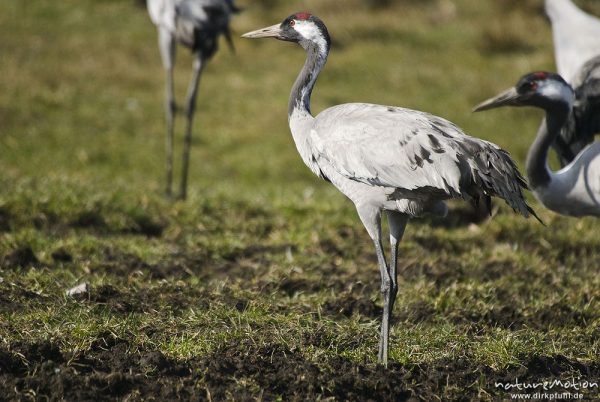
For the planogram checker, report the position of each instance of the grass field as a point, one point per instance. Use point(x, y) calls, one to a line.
point(264, 284)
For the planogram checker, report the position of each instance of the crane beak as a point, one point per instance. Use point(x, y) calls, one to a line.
point(274, 31)
point(509, 97)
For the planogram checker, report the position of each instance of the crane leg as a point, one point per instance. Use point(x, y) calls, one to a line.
point(166, 44)
point(386, 291)
point(397, 223)
point(190, 108)
point(371, 219)
point(170, 115)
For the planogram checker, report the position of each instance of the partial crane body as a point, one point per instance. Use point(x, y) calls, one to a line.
point(576, 37)
point(196, 24)
point(388, 159)
point(583, 122)
point(575, 189)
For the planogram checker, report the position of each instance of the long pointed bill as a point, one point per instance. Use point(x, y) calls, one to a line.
point(274, 31)
point(509, 97)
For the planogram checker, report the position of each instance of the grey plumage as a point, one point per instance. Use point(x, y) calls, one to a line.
point(384, 158)
point(415, 152)
point(196, 24)
point(575, 35)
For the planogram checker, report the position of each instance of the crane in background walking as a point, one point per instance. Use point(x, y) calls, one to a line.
point(575, 189)
point(576, 37)
point(391, 159)
point(196, 24)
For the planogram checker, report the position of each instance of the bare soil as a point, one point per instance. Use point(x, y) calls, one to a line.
point(110, 370)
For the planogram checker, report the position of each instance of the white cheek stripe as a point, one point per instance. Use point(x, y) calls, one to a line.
point(557, 91)
point(311, 32)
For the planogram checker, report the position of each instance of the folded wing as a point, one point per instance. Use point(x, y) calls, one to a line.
point(406, 149)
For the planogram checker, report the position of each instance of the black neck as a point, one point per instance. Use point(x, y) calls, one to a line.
point(303, 87)
point(537, 157)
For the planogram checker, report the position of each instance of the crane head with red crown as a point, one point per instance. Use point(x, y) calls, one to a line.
point(540, 88)
point(303, 28)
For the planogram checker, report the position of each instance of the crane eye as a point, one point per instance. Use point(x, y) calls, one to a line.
point(292, 23)
point(533, 85)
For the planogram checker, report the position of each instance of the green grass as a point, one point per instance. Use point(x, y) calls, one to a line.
point(264, 253)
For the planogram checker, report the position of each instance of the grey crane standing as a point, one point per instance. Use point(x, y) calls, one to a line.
point(391, 159)
point(576, 36)
point(197, 24)
point(575, 189)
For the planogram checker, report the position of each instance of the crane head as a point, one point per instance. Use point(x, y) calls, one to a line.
point(534, 89)
point(303, 28)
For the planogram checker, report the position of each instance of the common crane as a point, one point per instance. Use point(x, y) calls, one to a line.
point(386, 158)
point(575, 189)
point(196, 24)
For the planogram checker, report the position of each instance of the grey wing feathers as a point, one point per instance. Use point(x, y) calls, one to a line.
point(584, 122)
point(494, 171)
point(195, 23)
point(402, 148)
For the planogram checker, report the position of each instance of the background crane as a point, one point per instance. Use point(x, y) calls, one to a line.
point(196, 24)
point(583, 122)
point(576, 36)
point(391, 159)
point(575, 189)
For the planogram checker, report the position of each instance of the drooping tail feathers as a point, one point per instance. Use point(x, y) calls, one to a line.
point(495, 172)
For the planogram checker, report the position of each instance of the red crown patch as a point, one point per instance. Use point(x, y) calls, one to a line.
point(302, 16)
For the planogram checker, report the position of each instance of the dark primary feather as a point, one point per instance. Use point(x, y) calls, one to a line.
point(495, 172)
point(584, 121)
point(201, 31)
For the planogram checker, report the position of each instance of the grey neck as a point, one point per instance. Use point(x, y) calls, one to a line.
point(302, 89)
point(538, 173)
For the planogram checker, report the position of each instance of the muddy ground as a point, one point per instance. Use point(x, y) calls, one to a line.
point(114, 368)
point(110, 370)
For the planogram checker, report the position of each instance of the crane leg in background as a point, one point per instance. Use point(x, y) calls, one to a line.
point(190, 108)
point(170, 120)
point(166, 44)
